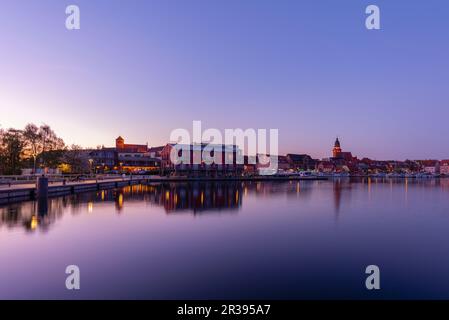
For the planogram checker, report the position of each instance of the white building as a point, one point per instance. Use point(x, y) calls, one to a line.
point(444, 167)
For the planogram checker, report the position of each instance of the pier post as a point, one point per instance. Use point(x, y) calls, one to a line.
point(42, 187)
point(42, 206)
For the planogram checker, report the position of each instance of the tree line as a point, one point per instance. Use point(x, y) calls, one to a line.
point(31, 147)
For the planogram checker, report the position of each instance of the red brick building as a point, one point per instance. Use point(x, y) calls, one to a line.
point(121, 146)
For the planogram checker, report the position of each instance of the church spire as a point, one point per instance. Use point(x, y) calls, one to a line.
point(336, 151)
point(337, 143)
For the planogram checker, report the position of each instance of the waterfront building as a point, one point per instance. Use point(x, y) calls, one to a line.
point(284, 163)
point(137, 161)
point(267, 164)
point(250, 165)
point(325, 166)
point(362, 167)
point(104, 158)
point(444, 167)
point(156, 152)
point(375, 166)
point(430, 166)
point(194, 164)
point(125, 158)
point(398, 166)
point(121, 146)
point(343, 160)
point(301, 161)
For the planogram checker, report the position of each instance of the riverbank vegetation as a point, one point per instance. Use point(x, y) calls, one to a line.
point(30, 147)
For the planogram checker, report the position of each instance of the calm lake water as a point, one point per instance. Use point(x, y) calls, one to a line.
point(280, 240)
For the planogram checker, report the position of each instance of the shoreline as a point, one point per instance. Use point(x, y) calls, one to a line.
point(18, 192)
point(25, 192)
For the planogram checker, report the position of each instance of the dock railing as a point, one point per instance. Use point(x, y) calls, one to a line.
point(60, 178)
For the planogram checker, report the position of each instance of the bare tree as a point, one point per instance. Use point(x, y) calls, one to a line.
point(33, 139)
point(11, 151)
point(77, 159)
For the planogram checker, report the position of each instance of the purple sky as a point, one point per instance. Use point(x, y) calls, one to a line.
point(308, 68)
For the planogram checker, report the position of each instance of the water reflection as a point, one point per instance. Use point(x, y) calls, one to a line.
point(32, 214)
point(337, 196)
point(197, 197)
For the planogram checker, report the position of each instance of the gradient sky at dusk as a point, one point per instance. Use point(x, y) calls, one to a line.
point(309, 68)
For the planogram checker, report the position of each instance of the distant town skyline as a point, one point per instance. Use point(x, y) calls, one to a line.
point(309, 69)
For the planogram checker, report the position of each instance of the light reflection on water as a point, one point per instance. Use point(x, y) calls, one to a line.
point(308, 239)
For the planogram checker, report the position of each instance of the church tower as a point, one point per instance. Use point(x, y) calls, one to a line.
point(336, 151)
point(120, 143)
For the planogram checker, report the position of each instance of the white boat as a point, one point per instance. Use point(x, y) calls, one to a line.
point(379, 175)
point(340, 175)
point(395, 175)
point(306, 174)
point(423, 175)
